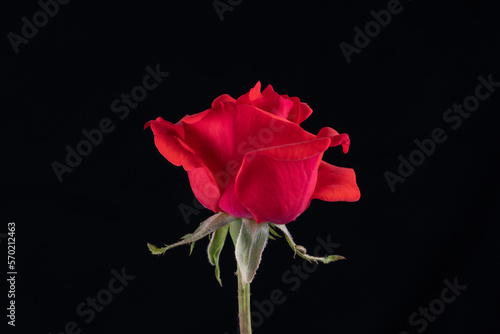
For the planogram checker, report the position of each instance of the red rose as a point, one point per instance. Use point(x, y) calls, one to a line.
point(250, 158)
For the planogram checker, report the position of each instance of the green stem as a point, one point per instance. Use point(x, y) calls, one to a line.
point(244, 306)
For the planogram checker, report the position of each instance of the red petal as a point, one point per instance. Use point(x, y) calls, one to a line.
point(252, 95)
point(204, 187)
point(336, 138)
point(269, 91)
point(268, 101)
point(336, 184)
point(192, 118)
point(327, 132)
point(275, 105)
point(169, 139)
point(300, 111)
point(230, 203)
point(222, 98)
point(276, 184)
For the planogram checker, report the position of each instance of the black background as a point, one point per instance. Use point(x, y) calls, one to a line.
point(439, 224)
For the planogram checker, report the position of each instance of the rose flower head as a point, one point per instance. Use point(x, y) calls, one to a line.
point(249, 157)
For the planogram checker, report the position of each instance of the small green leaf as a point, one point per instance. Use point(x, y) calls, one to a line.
point(333, 258)
point(252, 240)
point(210, 225)
point(191, 247)
point(187, 235)
point(155, 250)
point(302, 252)
point(215, 247)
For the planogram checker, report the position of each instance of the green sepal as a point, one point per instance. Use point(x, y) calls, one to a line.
point(215, 247)
point(302, 252)
point(210, 225)
point(252, 239)
point(234, 230)
point(273, 232)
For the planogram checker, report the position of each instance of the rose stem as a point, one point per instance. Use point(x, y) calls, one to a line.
point(244, 306)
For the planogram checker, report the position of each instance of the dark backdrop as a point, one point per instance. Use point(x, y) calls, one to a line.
point(404, 245)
